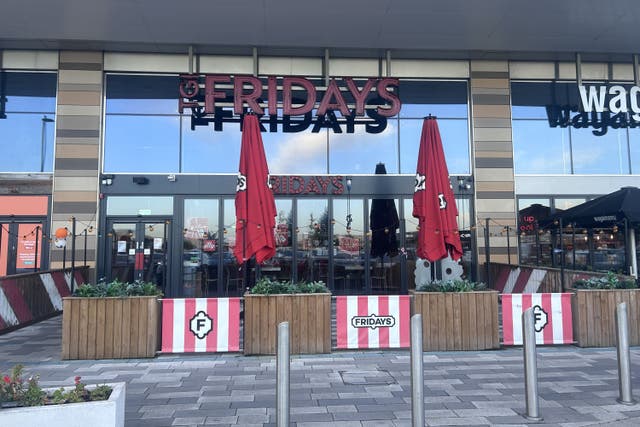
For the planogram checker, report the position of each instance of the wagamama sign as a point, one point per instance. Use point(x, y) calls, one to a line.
point(601, 107)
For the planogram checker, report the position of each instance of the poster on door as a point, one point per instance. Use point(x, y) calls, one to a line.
point(26, 247)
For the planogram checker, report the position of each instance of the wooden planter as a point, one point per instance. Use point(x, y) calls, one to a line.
point(110, 328)
point(309, 317)
point(458, 320)
point(594, 316)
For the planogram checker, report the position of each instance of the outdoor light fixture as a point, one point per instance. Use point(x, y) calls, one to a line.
point(464, 182)
point(171, 178)
point(107, 180)
point(349, 184)
point(141, 180)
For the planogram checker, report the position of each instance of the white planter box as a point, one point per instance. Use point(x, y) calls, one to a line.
point(105, 413)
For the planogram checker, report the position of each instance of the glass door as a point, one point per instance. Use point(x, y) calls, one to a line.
point(138, 250)
point(21, 247)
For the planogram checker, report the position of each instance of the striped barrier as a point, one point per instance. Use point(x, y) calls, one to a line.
point(552, 313)
point(195, 325)
point(519, 280)
point(380, 321)
point(25, 298)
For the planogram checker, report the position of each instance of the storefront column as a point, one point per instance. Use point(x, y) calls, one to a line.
point(493, 161)
point(77, 153)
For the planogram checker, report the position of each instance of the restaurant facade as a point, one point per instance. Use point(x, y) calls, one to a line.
point(136, 154)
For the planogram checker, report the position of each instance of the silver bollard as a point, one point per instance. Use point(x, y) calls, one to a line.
point(417, 373)
point(282, 376)
point(530, 366)
point(624, 365)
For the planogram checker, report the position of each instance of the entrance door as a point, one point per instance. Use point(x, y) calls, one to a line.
point(138, 250)
point(21, 246)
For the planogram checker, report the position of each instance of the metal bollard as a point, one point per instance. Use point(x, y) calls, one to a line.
point(282, 376)
point(417, 373)
point(624, 365)
point(530, 366)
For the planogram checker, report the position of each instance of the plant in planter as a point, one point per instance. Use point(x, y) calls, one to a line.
point(610, 281)
point(111, 320)
point(305, 305)
point(594, 306)
point(457, 315)
point(25, 403)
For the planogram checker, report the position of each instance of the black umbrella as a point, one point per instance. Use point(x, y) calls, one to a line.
point(384, 222)
point(605, 210)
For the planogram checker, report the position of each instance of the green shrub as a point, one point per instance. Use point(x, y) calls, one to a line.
point(458, 285)
point(15, 389)
point(610, 281)
point(268, 286)
point(116, 288)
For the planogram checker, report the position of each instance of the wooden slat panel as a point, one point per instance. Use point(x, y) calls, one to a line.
point(83, 331)
point(140, 343)
point(309, 317)
point(466, 321)
point(100, 328)
point(118, 310)
point(109, 318)
point(66, 329)
point(92, 329)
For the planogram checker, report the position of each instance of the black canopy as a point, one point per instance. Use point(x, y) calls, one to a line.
point(384, 222)
point(605, 210)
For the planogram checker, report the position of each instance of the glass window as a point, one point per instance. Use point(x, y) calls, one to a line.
point(606, 154)
point(206, 151)
point(454, 134)
point(359, 152)
point(27, 128)
point(142, 144)
point(349, 250)
point(295, 153)
point(539, 149)
point(141, 94)
point(279, 267)
point(143, 205)
point(543, 146)
point(564, 204)
point(634, 149)
point(312, 235)
point(201, 248)
point(384, 238)
point(233, 274)
point(443, 99)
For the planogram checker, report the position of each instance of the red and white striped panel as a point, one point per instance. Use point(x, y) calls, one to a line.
point(552, 314)
point(380, 321)
point(194, 325)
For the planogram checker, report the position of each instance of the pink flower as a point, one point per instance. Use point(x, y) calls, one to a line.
point(6, 379)
point(77, 380)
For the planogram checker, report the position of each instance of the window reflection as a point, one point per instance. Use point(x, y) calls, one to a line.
point(141, 144)
point(233, 274)
point(201, 248)
point(142, 120)
point(349, 246)
point(537, 148)
point(384, 237)
point(540, 148)
point(27, 114)
point(455, 143)
point(312, 236)
point(279, 267)
point(359, 152)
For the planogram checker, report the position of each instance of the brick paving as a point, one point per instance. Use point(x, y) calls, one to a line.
point(577, 387)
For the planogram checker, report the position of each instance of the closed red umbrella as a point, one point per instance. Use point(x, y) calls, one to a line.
point(255, 205)
point(433, 202)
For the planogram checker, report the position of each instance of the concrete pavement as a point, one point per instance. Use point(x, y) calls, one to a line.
point(578, 387)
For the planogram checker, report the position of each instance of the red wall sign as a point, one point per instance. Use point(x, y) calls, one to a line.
point(295, 184)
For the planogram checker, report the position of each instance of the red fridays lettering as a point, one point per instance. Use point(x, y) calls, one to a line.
point(247, 90)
